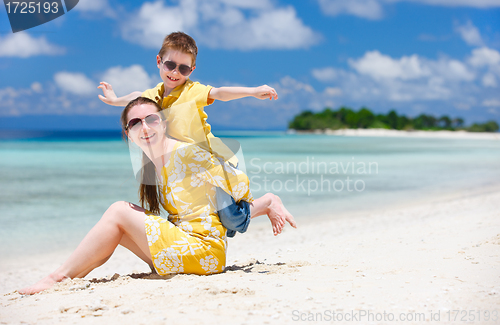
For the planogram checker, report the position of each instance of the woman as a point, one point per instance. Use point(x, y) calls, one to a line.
point(192, 240)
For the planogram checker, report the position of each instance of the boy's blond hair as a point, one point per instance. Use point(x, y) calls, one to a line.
point(181, 42)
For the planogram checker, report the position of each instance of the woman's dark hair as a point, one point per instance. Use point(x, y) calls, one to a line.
point(149, 194)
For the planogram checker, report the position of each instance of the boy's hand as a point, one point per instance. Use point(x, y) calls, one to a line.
point(264, 92)
point(109, 94)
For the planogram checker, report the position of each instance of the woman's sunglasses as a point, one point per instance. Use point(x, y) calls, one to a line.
point(151, 120)
point(182, 68)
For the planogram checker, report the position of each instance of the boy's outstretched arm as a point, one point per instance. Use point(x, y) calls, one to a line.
point(229, 93)
point(110, 96)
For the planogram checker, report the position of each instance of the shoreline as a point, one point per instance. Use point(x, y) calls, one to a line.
point(423, 259)
point(261, 224)
point(443, 134)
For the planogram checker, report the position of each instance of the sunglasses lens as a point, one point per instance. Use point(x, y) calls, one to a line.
point(169, 65)
point(184, 69)
point(152, 120)
point(133, 123)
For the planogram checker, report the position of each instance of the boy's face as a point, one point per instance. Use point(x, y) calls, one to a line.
point(173, 78)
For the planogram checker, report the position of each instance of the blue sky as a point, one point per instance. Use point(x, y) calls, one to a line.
point(415, 56)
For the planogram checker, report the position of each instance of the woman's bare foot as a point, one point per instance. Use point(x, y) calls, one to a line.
point(43, 284)
point(288, 216)
point(278, 214)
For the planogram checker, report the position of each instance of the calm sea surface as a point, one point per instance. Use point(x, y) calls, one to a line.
point(54, 189)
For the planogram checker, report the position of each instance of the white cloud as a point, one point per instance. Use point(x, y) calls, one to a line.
point(459, 3)
point(28, 101)
point(370, 9)
point(470, 34)
point(325, 74)
point(249, 4)
point(487, 61)
point(489, 80)
point(484, 57)
point(242, 24)
point(377, 77)
point(8, 92)
point(75, 83)
point(92, 5)
point(491, 102)
point(374, 9)
point(462, 106)
point(36, 87)
point(332, 91)
point(123, 79)
point(13, 101)
point(154, 21)
point(291, 85)
point(99, 7)
point(73, 93)
point(128, 79)
point(23, 45)
point(451, 70)
point(279, 28)
point(380, 66)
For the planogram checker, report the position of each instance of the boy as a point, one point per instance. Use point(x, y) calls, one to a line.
point(176, 61)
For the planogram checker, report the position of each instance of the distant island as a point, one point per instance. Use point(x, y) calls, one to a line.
point(346, 118)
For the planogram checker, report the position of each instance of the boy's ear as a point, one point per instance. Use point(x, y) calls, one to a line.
point(158, 61)
point(194, 67)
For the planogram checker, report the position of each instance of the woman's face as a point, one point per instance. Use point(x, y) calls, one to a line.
point(147, 128)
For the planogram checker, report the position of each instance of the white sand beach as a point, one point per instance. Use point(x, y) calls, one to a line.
point(438, 262)
point(412, 134)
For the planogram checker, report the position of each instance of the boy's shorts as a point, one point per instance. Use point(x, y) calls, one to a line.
point(234, 216)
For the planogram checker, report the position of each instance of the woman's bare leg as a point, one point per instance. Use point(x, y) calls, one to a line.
point(271, 205)
point(128, 243)
point(122, 221)
point(89, 269)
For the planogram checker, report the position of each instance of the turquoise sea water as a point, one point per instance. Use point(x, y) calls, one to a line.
point(53, 190)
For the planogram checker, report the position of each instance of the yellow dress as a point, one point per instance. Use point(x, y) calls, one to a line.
point(193, 239)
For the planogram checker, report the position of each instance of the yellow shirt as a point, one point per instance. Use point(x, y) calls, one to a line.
point(186, 124)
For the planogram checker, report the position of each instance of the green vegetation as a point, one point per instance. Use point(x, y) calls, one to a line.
point(365, 119)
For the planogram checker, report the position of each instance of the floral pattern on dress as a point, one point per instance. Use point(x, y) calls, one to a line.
point(239, 190)
point(185, 225)
point(185, 246)
point(152, 229)
point(209, 264)
point(202, 175)
point(193, 239)
point(228, 169)
point(168, 261)
point(201, 155)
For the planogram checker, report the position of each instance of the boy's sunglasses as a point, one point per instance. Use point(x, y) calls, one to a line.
point(135, 124)
point(182, 68)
